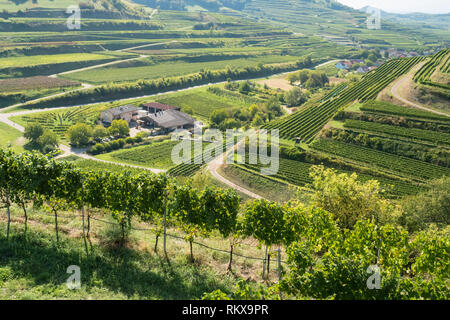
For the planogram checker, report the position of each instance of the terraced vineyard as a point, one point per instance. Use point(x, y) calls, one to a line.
point(189, 169)
point(156, 155)
point(419, 134)
point(379, 107)
point(297, 173)
point(424, 74)
point(395, 164)
point(306, 123)
point(339, 88)
point(446, 67)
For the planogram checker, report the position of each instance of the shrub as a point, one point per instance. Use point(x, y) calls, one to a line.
point(121, 142)
point(115, 145)
point(79, 134)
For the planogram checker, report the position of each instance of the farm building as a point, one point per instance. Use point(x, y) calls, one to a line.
point(169, 120)
point(128, 113)
point(154, 107)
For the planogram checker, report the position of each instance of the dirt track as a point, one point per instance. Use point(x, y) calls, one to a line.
point(401, 82)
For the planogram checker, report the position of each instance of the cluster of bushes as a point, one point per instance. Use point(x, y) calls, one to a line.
point(40, 139)
point(295, 97)
point(118, 144)
point(438, 156)
point(337, 249)
point(309, 79)
point(81, 134)
point(253, 116)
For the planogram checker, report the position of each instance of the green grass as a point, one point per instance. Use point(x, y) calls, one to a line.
point(157, 155)
point(11, 137)
point(34, 267)
point(203, 103)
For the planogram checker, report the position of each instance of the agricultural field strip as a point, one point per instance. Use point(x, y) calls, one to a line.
point(30, 83)
point(396, 164)
point(29, 61)
point(380, 108)
point(419, 134)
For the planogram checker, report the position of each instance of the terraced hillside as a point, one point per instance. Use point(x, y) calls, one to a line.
point(306, 123)
point(435, 73)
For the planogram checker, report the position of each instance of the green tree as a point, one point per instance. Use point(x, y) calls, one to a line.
point(303, 75)
point(119, 127)
point(218, 116)
point(33, 132)
point(430, 207)
point(293, 77)
point(99, 132)
point(265, 221)
point(257, 121)
point(347, 198)
point(187, 208)
point(79, 134)
point(220, 209)
point(48, 141)
point(244, 87)
point(295, 97)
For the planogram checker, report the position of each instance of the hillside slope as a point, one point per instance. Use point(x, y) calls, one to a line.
point(330, 20)
point(42, 8)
